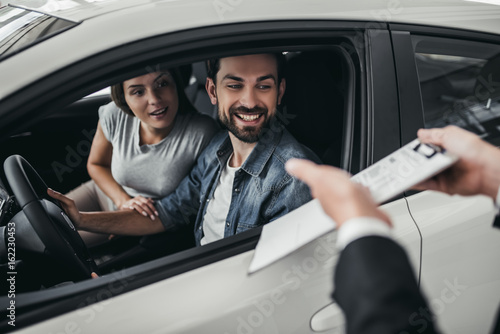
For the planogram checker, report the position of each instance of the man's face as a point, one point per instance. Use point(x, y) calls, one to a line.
point(246, 93)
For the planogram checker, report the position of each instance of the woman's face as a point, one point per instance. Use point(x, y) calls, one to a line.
point(153, 99)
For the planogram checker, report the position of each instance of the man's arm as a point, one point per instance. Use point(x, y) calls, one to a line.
point(376, 288)
point(118, 222)
point(476, 172)
point(374, 283)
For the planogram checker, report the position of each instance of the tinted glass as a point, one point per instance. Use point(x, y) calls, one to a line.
point(20, 28)
point(460, 84)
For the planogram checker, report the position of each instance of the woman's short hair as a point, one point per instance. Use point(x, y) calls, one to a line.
point(185, 106)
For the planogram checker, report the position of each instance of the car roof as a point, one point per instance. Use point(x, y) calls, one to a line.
point(479, 15)
point(106, 24)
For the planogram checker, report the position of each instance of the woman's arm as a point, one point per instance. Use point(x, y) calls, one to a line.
point(99, 169)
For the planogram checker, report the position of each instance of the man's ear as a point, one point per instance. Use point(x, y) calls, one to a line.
point(212, 92)
point(281, 90)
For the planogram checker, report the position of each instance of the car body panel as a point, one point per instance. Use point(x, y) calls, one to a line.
point(121, 26)
point(281, 298)
point(459, 247)
point(468, 14)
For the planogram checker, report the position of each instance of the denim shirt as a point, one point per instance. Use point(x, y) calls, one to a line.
point(262, 190)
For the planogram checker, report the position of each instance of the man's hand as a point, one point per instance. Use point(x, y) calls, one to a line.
point(341, 198)
point(68, 205)
point(143, 205)
point(476, 172)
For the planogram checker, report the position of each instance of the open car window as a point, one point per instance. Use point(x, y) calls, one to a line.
point(321, 81)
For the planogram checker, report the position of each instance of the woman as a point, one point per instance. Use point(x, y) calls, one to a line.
point(146, 141)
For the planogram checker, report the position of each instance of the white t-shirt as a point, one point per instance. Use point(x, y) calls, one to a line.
point(214, 220)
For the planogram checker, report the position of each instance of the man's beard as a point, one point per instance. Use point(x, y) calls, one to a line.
point(247, 134)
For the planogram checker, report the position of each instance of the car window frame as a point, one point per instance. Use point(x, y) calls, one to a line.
point(410, 95)
point(412, 114)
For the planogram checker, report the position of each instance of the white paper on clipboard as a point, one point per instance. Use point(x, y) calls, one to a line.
point(290, 232)
point(389, 177)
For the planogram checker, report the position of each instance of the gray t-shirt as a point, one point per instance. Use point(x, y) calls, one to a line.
point(154, 170)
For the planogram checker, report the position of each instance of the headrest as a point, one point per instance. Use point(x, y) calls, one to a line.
point(314, 102)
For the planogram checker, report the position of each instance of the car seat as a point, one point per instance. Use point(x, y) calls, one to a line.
point(487, 85)
point(197, 93)
point(487, 93)
point(314, 102)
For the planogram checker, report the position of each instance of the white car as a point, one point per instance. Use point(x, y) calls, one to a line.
point(362, 77)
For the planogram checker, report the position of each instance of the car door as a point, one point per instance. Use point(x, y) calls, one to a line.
point(449, 77)
point(208, 289)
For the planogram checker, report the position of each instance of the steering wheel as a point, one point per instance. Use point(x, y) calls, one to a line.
point(62, 243)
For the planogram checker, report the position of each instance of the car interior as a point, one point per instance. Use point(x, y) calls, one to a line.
point(460, 85)
point(318, 104)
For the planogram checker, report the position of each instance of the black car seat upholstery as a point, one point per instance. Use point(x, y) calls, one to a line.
point(488, 81)
point(197, 93)
point(487, 93)
point(314, 102)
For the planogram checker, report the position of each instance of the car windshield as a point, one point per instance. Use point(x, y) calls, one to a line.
point(21, 28)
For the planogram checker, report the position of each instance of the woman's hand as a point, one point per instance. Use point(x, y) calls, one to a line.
point(143, 205)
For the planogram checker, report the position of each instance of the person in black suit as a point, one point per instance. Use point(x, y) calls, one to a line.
point(374, 283)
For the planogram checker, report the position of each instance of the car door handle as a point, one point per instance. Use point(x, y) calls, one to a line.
point(328, 318)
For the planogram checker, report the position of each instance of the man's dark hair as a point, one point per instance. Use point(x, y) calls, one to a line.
point(185, 106)
point(213, 66)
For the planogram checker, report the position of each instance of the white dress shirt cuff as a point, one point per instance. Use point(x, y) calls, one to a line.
point(359, 227)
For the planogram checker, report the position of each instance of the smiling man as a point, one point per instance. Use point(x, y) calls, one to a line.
point(246, 97)
point(239, 181)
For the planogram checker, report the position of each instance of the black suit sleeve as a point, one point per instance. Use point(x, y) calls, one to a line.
point(377, 290)
point(496, 222)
